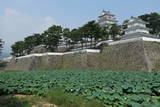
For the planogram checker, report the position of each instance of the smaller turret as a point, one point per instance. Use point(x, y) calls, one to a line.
point(136, 27)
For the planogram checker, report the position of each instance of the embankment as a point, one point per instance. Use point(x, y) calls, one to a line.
point(132, 56)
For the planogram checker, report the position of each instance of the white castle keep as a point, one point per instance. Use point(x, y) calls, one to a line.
point(106, 19)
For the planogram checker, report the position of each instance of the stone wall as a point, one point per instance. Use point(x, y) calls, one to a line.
point(36, 63)
point(72, 61)
point(132, 56)
point(152, 51)
point(127, 56)
point(81, 61)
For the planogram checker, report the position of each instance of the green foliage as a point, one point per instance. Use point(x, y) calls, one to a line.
point(63, 99)
point(154, 22)
point(32, 41)
point(66, 36)
point(114, 31)
point(75, 35)
point(50, 39)
point(112, 87)
point(57, 96)
point(90, 32)
point(53, 36)
point(3, 64)
point(93, 31)
point(19, 48)
point(1, 45)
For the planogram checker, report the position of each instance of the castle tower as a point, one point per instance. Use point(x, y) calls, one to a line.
point(136, 27)
point(106, 18)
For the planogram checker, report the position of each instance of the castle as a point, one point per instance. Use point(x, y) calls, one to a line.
point(106, 19)
point(138, 50)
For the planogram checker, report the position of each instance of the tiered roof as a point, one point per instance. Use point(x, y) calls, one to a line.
point(107, 16)
point(136, 27)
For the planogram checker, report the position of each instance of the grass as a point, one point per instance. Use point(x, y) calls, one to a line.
point(55, 96)
point(10, 101)
point(62, 99)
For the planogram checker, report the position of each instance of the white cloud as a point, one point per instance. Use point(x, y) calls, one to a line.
point(15, 26)
point(11, 12)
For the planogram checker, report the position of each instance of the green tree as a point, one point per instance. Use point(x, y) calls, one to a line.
point(154, 22)
point(93, 31)
point(75, 36)
point(32, 41)
point(115, 30)
point(100, 33)
point(104, 34)
point(81, 34)
point(124, 26)
point(39, 39)
point(66, 36)
point(90, 32)
point(1, 45)
point(19, 49)
point(52, 37)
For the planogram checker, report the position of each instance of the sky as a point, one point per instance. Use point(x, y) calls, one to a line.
point(21, 18)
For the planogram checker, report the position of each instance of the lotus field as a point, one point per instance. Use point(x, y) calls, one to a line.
point(114, 88)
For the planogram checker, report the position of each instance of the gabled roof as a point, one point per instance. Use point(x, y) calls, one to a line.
point(106, 13)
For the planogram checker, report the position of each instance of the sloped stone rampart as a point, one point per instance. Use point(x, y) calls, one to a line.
point(71, 61)
point(127, 56)
point(132, 56)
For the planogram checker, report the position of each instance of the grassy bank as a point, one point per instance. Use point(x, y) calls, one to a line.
point(54, 98)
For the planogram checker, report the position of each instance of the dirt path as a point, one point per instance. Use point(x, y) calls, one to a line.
point(38, 103)
point(43, 104)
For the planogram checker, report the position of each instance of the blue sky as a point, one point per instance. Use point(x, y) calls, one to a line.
point(20, 18)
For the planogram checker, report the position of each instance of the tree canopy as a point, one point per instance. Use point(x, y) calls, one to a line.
point(1, 45)
point(19, 49)
point(115, 30)
point(32, 41)
point(52, 37)
point(55, 36)
point(154, 22)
